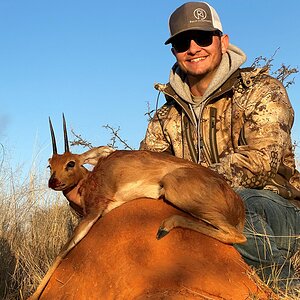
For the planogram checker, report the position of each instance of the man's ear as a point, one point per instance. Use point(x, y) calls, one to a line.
point(173, 51)
point(224, 43)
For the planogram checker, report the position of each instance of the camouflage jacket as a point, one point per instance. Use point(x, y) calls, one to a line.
point(244, 132)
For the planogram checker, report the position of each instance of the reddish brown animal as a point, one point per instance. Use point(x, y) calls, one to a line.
point(121, 176)
point(120, 258)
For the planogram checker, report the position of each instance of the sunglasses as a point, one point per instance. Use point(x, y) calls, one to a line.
point(182, 42)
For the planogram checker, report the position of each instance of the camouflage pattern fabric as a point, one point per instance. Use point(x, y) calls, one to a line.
point(253, 122)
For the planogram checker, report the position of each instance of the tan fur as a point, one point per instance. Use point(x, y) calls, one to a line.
point(122, 176)
point(120, 259)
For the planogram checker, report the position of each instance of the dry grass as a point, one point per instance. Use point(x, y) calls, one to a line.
point(34, 224)
point(273, 282)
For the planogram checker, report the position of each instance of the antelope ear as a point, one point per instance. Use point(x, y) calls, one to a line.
point(92, 156)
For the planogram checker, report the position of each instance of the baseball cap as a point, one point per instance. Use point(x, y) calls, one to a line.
point(193, 16)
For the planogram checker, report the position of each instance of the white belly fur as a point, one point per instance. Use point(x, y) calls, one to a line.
point(137, 189)
point(133, 190)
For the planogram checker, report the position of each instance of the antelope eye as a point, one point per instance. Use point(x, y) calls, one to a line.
point(71, 164)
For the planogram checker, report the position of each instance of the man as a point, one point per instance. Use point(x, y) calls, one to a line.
point(237, 122)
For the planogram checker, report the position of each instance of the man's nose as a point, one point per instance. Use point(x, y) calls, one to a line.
point(194, 47)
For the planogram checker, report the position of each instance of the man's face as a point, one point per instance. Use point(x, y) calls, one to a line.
point(199, 53)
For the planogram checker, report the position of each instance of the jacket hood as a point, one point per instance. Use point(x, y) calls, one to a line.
point(231, 61)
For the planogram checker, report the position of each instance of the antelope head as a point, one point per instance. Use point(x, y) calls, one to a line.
point(67, 169)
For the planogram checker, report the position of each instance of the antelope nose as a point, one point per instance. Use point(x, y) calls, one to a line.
point(52, 181)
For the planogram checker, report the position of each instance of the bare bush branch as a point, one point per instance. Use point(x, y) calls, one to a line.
point(264, 62)
point(79, 141)
point(116, 138)
point(282, 74)
point(295, 145)
point(150, 112)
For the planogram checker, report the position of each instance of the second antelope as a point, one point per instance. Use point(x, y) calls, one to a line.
point(121, 176)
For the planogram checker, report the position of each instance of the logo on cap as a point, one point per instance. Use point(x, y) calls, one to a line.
point(200, 14)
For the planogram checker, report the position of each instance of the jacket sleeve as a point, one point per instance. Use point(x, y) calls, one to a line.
point(268, 118)
point(156, 138)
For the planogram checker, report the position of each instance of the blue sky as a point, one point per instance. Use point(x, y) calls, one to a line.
point(97, 62)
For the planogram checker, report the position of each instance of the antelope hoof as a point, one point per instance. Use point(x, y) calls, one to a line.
point(161, 233)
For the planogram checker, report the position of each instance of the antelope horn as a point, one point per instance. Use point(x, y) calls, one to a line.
point(65, 135)
point(52, 137)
